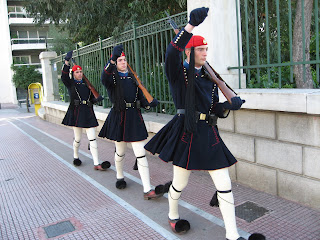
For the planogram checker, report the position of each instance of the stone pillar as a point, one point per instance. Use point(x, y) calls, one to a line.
point(220, 31)
point(50, 85)
point(8, 92)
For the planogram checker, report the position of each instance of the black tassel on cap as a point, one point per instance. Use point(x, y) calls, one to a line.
point(118, 98)
point(190, 118)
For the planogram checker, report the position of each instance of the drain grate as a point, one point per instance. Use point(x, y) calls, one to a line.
point(59, 229)
point(250, 211)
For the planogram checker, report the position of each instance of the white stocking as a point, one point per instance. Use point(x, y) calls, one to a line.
point(91, 134)
point(142, 162)
point(76, 142)
point(179, 182)
point(222, 182)
point(118, 158)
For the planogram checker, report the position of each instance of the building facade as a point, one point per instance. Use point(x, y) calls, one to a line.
point(21, 42)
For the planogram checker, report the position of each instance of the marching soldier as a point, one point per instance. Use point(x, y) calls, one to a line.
point(125, 123)
point(191, 139)
point(80, 113)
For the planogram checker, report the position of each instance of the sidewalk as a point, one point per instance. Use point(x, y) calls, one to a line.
point(43, 196)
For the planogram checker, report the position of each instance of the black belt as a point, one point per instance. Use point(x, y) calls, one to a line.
point(132, 105)
point(211, 119)
point(82, 102)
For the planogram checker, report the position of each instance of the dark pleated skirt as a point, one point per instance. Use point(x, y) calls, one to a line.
point(203, 150)
point(127, 126)
point(80, 116)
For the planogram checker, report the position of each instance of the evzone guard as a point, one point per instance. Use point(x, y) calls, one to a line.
point(80, 114)
point(191, 139)
point(125, 123)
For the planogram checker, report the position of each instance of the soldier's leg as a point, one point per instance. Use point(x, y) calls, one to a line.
point(142, 163)
point(91, 134)
point(179, 182)
point(76, 144)
point(222, 182)
point(119, 154)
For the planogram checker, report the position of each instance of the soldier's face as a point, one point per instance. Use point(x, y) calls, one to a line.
point(122, 64)
point(78, 75)
point(200, 55)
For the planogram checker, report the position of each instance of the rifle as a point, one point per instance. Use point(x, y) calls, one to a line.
point(140, 85)
point(226, 90)
point(97, 96)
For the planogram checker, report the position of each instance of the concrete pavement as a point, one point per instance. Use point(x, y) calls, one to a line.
point(43, 196)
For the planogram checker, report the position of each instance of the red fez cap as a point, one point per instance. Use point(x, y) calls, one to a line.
point(122, 54)
point(76, 67)
point(196, 41)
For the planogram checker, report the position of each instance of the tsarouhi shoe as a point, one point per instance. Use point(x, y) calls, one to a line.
point(98, 167)
point(151, 195)
point(103, 166)
point(77, 162)
point(179, 226)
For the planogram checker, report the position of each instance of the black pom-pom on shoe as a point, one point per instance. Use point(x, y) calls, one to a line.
point(105, 164)
point(77, 162)
point(257, 236)
point(179, 226)
point(162, 189)
point(159, 189)
point(121, 184)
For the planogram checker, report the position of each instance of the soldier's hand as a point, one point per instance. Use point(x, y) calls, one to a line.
point(117, 50)
point(68, 56)
point(154, 103)
point(198, 15)
point(236, 103)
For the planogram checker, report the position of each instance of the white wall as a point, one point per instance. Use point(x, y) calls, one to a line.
point(7, 90)
point(220, 31)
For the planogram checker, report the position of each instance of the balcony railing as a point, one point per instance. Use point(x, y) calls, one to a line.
point(29, 40)
point(18, 15)
point(29, 43)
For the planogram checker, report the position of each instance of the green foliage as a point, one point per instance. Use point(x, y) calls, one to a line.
point(61, 42)
point(270, 39)
point(25, 75)
point(273, 81)
point(86, 21)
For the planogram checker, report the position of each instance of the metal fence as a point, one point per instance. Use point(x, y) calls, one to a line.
point(266, 36)
point(267, 43)
point(144, 46)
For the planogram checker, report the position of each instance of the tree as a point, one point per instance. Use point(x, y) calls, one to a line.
point(86, 21)
point(60, 42)
point(298, 44)
point(25, 75)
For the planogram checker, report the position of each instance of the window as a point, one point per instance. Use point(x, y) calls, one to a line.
point(21, 59)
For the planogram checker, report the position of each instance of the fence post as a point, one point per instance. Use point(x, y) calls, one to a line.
point(78, 57)
point(104, 101)
point(50, 85)
point(136, 49)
